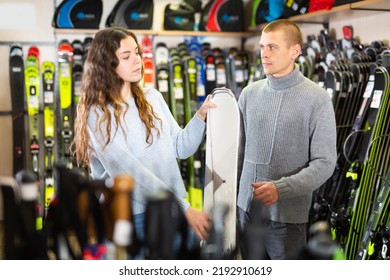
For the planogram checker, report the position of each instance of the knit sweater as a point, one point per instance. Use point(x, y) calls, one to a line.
point(288, 136)
point(154, 167)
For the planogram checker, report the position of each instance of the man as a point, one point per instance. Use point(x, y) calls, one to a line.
point(287, 144)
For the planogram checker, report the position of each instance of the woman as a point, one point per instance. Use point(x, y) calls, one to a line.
point(122, 128)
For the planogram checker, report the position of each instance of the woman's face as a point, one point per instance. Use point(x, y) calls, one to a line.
point(130, 63)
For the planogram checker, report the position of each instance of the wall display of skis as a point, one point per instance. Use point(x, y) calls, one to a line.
point(43, 112)
point(354, 199)
point(375, 164)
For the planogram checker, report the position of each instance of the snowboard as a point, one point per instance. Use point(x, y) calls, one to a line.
point(222, 138)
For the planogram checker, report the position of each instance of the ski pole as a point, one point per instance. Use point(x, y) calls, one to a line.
point(122, 212)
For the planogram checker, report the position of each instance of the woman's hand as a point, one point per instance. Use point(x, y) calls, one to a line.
point(207, 104)
point(199, 221)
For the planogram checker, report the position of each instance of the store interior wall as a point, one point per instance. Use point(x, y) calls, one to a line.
point(29, 23)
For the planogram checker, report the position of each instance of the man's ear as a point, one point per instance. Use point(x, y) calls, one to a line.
point(296, 50)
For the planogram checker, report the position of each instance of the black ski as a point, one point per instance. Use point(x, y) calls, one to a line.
point(16, 69)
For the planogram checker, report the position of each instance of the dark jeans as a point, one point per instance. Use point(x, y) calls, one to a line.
point(275, 241)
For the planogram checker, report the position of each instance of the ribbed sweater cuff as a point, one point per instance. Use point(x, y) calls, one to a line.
point(282, 186)
point(184, 204)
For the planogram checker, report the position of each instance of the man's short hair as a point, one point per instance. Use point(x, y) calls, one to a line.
point(291, 30)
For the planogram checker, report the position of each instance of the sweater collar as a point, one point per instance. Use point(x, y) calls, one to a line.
point(290, 80)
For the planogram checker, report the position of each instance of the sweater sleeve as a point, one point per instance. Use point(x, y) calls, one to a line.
point(186, 140)
point(242, 139)
point(117, 159)
point(323, 156)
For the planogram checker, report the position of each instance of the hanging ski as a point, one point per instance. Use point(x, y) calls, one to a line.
point(48, 69)
point(65, 57)
point(16, 69)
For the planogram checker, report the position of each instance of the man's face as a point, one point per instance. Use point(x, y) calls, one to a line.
point(277, 56)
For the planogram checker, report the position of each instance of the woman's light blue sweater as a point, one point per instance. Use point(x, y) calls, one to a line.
point(154, 167)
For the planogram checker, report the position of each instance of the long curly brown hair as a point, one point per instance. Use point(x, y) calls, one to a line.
point(102, 86)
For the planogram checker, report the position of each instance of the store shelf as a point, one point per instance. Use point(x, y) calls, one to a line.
point(61, 31)
point(342, 11)
point(319, 17)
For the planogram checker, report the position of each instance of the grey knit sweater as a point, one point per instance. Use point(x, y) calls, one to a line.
point(288, 136)
point(154, 167)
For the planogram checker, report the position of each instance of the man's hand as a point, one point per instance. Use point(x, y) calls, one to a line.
point(266, 192)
